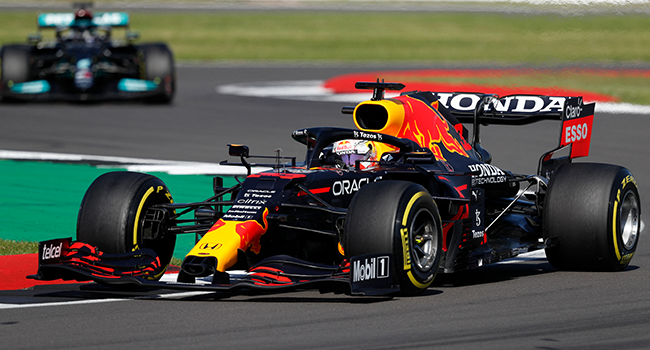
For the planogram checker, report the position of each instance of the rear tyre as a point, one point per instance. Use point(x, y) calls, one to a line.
point(593, 214)
point(159, 67)
point(14, 66)
point(401, 218)
point(113, 210)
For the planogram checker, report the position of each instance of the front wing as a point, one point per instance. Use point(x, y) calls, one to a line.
point(55, 90)
point(64, 259)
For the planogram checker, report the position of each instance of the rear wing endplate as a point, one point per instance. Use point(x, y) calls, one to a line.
point(575, 136)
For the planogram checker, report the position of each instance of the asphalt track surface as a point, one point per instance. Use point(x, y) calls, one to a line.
point(521, 305)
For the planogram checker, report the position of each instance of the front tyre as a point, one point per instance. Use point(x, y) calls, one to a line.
point(14, 63)
point(401, 218)
point(113, 211)
point(593, 216)
point(14, 66)
point(159, 67)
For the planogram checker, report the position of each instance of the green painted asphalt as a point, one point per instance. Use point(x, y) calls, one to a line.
point(40, 200)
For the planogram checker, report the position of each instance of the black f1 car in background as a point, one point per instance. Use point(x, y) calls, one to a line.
point(85, 63)
point(376, 210)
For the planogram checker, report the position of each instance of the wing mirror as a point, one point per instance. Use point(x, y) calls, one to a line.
point(34, 38)
point(238, 150)
point(242, 152)
point(132, 36)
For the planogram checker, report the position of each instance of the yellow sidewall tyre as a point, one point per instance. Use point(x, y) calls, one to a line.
point(592, 216)
point(401, 218)
point(113, 210)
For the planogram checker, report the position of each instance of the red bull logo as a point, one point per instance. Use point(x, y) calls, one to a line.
point(343, 147)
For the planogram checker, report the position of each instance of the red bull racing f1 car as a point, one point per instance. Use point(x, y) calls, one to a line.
point(376, 210)
point(85, 63)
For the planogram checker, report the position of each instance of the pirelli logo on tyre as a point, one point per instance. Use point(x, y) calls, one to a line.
point(404, 234)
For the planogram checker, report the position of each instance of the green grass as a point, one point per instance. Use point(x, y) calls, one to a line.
point(383, 36)
point(10, 247)
point(427, 37)
point(430, 37)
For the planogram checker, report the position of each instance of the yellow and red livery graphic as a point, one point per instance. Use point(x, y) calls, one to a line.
point(225, 238)
point(417, 120)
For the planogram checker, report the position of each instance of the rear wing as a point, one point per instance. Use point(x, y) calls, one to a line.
point(100, 19)
point(508, 110)
point(483, 109)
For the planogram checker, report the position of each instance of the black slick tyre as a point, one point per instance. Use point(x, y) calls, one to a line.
point(14, 65)
point(159, 67)
point(401, 218)
point(113, 210)
point(592, 217)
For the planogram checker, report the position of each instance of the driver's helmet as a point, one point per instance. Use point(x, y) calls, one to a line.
point(83, 14)
point(352, 150)
point(83, 20)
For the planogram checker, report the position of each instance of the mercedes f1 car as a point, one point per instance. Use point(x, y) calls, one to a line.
point(370, 211)
point(85, 63)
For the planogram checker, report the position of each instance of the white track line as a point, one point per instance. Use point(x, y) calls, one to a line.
point(133, 164)
point(168, 277)
point(173, 295)
point(61, 303)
